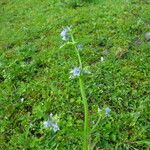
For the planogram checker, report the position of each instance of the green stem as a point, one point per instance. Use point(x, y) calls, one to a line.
point(86, 116)
point(78, 54)
point(84, 99)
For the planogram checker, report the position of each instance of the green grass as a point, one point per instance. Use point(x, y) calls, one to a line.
point(33, 67)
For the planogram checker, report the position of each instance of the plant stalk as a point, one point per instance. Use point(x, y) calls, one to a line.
point(86, 116)
point(85, 103)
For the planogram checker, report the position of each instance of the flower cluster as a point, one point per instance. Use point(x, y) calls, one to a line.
point(51, 123)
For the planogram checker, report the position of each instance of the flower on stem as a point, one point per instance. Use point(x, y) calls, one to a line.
point(65, 34)
point(75, 72)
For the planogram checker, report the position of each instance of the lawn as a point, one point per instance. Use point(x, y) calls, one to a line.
point(35, 83)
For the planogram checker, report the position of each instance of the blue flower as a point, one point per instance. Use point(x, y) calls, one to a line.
point(55, 127)
point(51, 123)
point(65, 34)
point(47, 124)
point(107, 111)
point(75, 72)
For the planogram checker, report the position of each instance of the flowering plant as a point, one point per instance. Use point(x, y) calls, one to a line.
point(68, 37)
point(78, 72)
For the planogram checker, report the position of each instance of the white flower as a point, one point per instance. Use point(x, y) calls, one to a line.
point(102, 59)
point(51, 115)
point(22, 100)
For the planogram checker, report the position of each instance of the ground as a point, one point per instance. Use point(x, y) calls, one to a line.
point(34, 73)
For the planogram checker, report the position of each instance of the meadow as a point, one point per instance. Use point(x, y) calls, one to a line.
point(41, 98)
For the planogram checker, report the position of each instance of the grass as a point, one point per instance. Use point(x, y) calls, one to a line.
point(33, 67)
